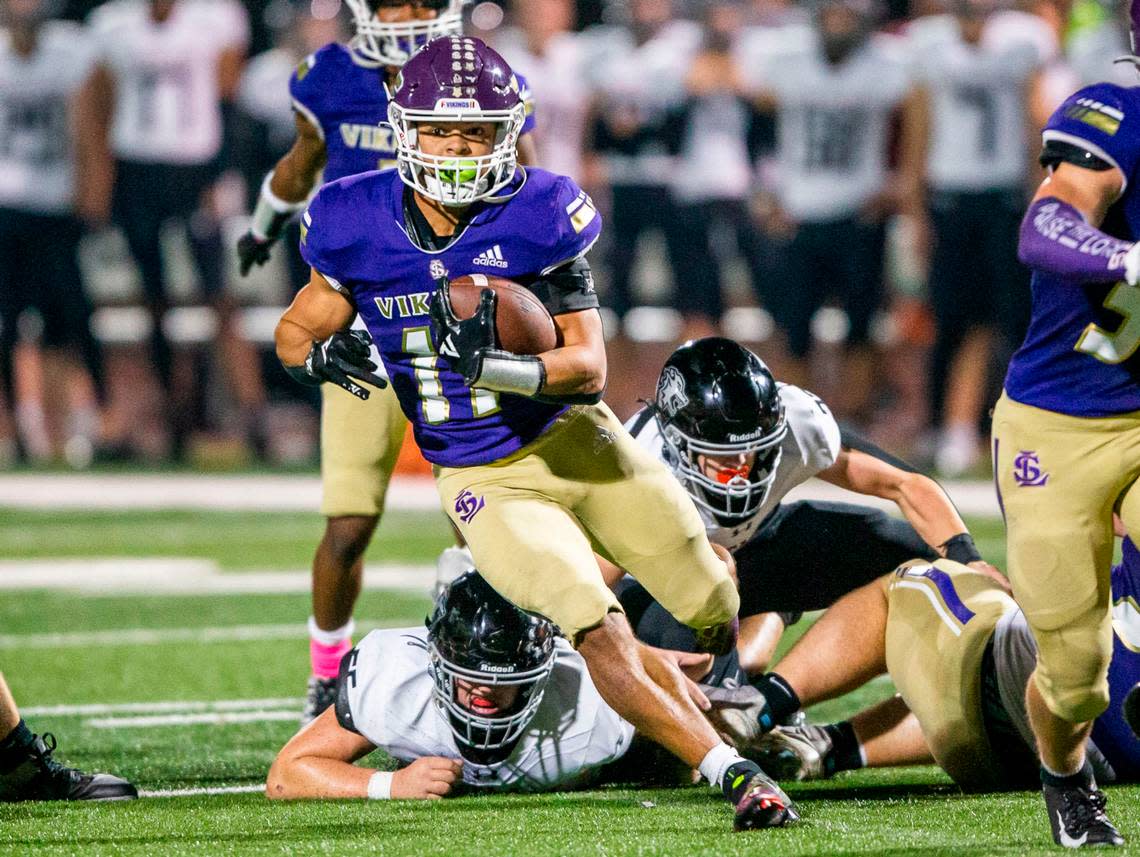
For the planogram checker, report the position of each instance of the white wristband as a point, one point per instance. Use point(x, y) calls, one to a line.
point(380, 785)
point(270, 209)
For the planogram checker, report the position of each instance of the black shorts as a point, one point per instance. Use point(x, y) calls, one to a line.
point(840, 260)
point(39, 269)
point(806, 556)
point(975, 276)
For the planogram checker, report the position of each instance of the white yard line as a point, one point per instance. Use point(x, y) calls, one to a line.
point(216, 718)
point(166, 706)
point(173, 576)
point(153, 636)
point(210, 790)
point(302, 493)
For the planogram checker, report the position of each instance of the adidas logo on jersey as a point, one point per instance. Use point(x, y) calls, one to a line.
point(492, 258)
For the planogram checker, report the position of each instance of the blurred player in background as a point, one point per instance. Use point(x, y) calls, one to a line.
point(28, 771)
point(967, 144)
point(834, 101)
point(167, 72)
point(511, 434)
point(340, 103)
point(1066, 432)
point(44, 65)
point(638, 85)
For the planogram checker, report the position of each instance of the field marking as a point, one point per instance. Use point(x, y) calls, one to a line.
point(281, 493)
point(215, 718)
point(175, 706)
point(205, 790)
point(153, 636)
point(174, 576)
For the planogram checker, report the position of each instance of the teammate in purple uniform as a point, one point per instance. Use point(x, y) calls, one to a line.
point(1066, 432)
point(534, 472)
point(340, 101)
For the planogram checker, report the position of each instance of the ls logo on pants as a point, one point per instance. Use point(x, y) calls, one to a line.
point(1027, 470)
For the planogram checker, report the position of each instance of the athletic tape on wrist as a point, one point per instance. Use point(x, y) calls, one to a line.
point(380, 785)
point(511, 373)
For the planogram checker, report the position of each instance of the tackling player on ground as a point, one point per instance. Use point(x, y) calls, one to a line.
point(739, 441)
point(533, 472)
point(340, 99)
point(1066, 432)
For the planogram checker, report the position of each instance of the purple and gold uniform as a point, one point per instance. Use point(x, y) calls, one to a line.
point(346, 100)
point(1066, 432)
point(1111, 731)
point(534, 488)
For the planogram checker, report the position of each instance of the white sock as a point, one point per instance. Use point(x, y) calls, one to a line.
point(716, 762)
point(330, 638)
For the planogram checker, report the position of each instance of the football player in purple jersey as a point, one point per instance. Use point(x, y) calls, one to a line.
point(1066, 432)
point(340, 102)
point(532, 469)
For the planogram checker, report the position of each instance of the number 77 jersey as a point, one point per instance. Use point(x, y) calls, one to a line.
point(359, 233)
point(1080, 355)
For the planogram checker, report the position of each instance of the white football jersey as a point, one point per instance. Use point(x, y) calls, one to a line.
point(833, 126)
point(811, 445)
point(979, 121)
point(167, 107)
point(389, 693)
point(37, 150)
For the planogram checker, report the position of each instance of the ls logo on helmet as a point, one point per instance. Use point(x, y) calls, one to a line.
point(1027, 470)
point(467, 505)
point(671, 391)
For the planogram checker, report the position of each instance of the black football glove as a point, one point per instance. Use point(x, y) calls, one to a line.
point(339, 359)
point(252, 251)
point(463, 342)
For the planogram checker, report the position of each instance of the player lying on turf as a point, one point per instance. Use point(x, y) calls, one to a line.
point(531, 468)
point(961, 654)
point(739, 441)
point(28, 771)
point(486, 697)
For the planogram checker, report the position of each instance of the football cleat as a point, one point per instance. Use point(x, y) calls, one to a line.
point(38, 776)
point(763, 804)
point(321, 694)
point(793, 752)
point(1077, 817)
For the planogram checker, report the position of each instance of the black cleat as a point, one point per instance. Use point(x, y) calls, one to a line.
point(763, 804)
point(321, 694)
point(40, 777)
point(1077, 817)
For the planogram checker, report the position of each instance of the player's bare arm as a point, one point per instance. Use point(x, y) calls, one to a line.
point(578, 364)
point(296, 174)
point(318, 762)
point(96, 176)
point(921, 500)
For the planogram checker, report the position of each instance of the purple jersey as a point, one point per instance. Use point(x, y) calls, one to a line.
point(355, 234)
point(1110, 731)
point(348, 103)
point(1079, 355)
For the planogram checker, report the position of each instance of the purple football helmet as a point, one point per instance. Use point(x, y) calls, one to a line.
point(393, 42)
point(456, 79)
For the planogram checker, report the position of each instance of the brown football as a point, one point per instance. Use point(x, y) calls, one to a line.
point(521, 321)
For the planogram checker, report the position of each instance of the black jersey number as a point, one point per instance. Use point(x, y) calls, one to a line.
point(163, 84)
point(833, 136)
point(34, 131)
point(981, 100)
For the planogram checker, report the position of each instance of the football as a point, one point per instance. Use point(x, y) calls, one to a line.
point(522, 323)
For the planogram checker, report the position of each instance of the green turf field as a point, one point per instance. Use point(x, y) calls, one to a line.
point(200, 691)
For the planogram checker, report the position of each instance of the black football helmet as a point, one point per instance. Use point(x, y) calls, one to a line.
point(477, 635)
point(717, 398)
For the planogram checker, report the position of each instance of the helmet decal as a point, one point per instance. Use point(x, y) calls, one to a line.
point(671, 391)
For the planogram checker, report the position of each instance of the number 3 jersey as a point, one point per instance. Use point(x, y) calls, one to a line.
point(346, 100)
point(811, 445)
point(385, 693)
point(356, 233)
point(1079, 355)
